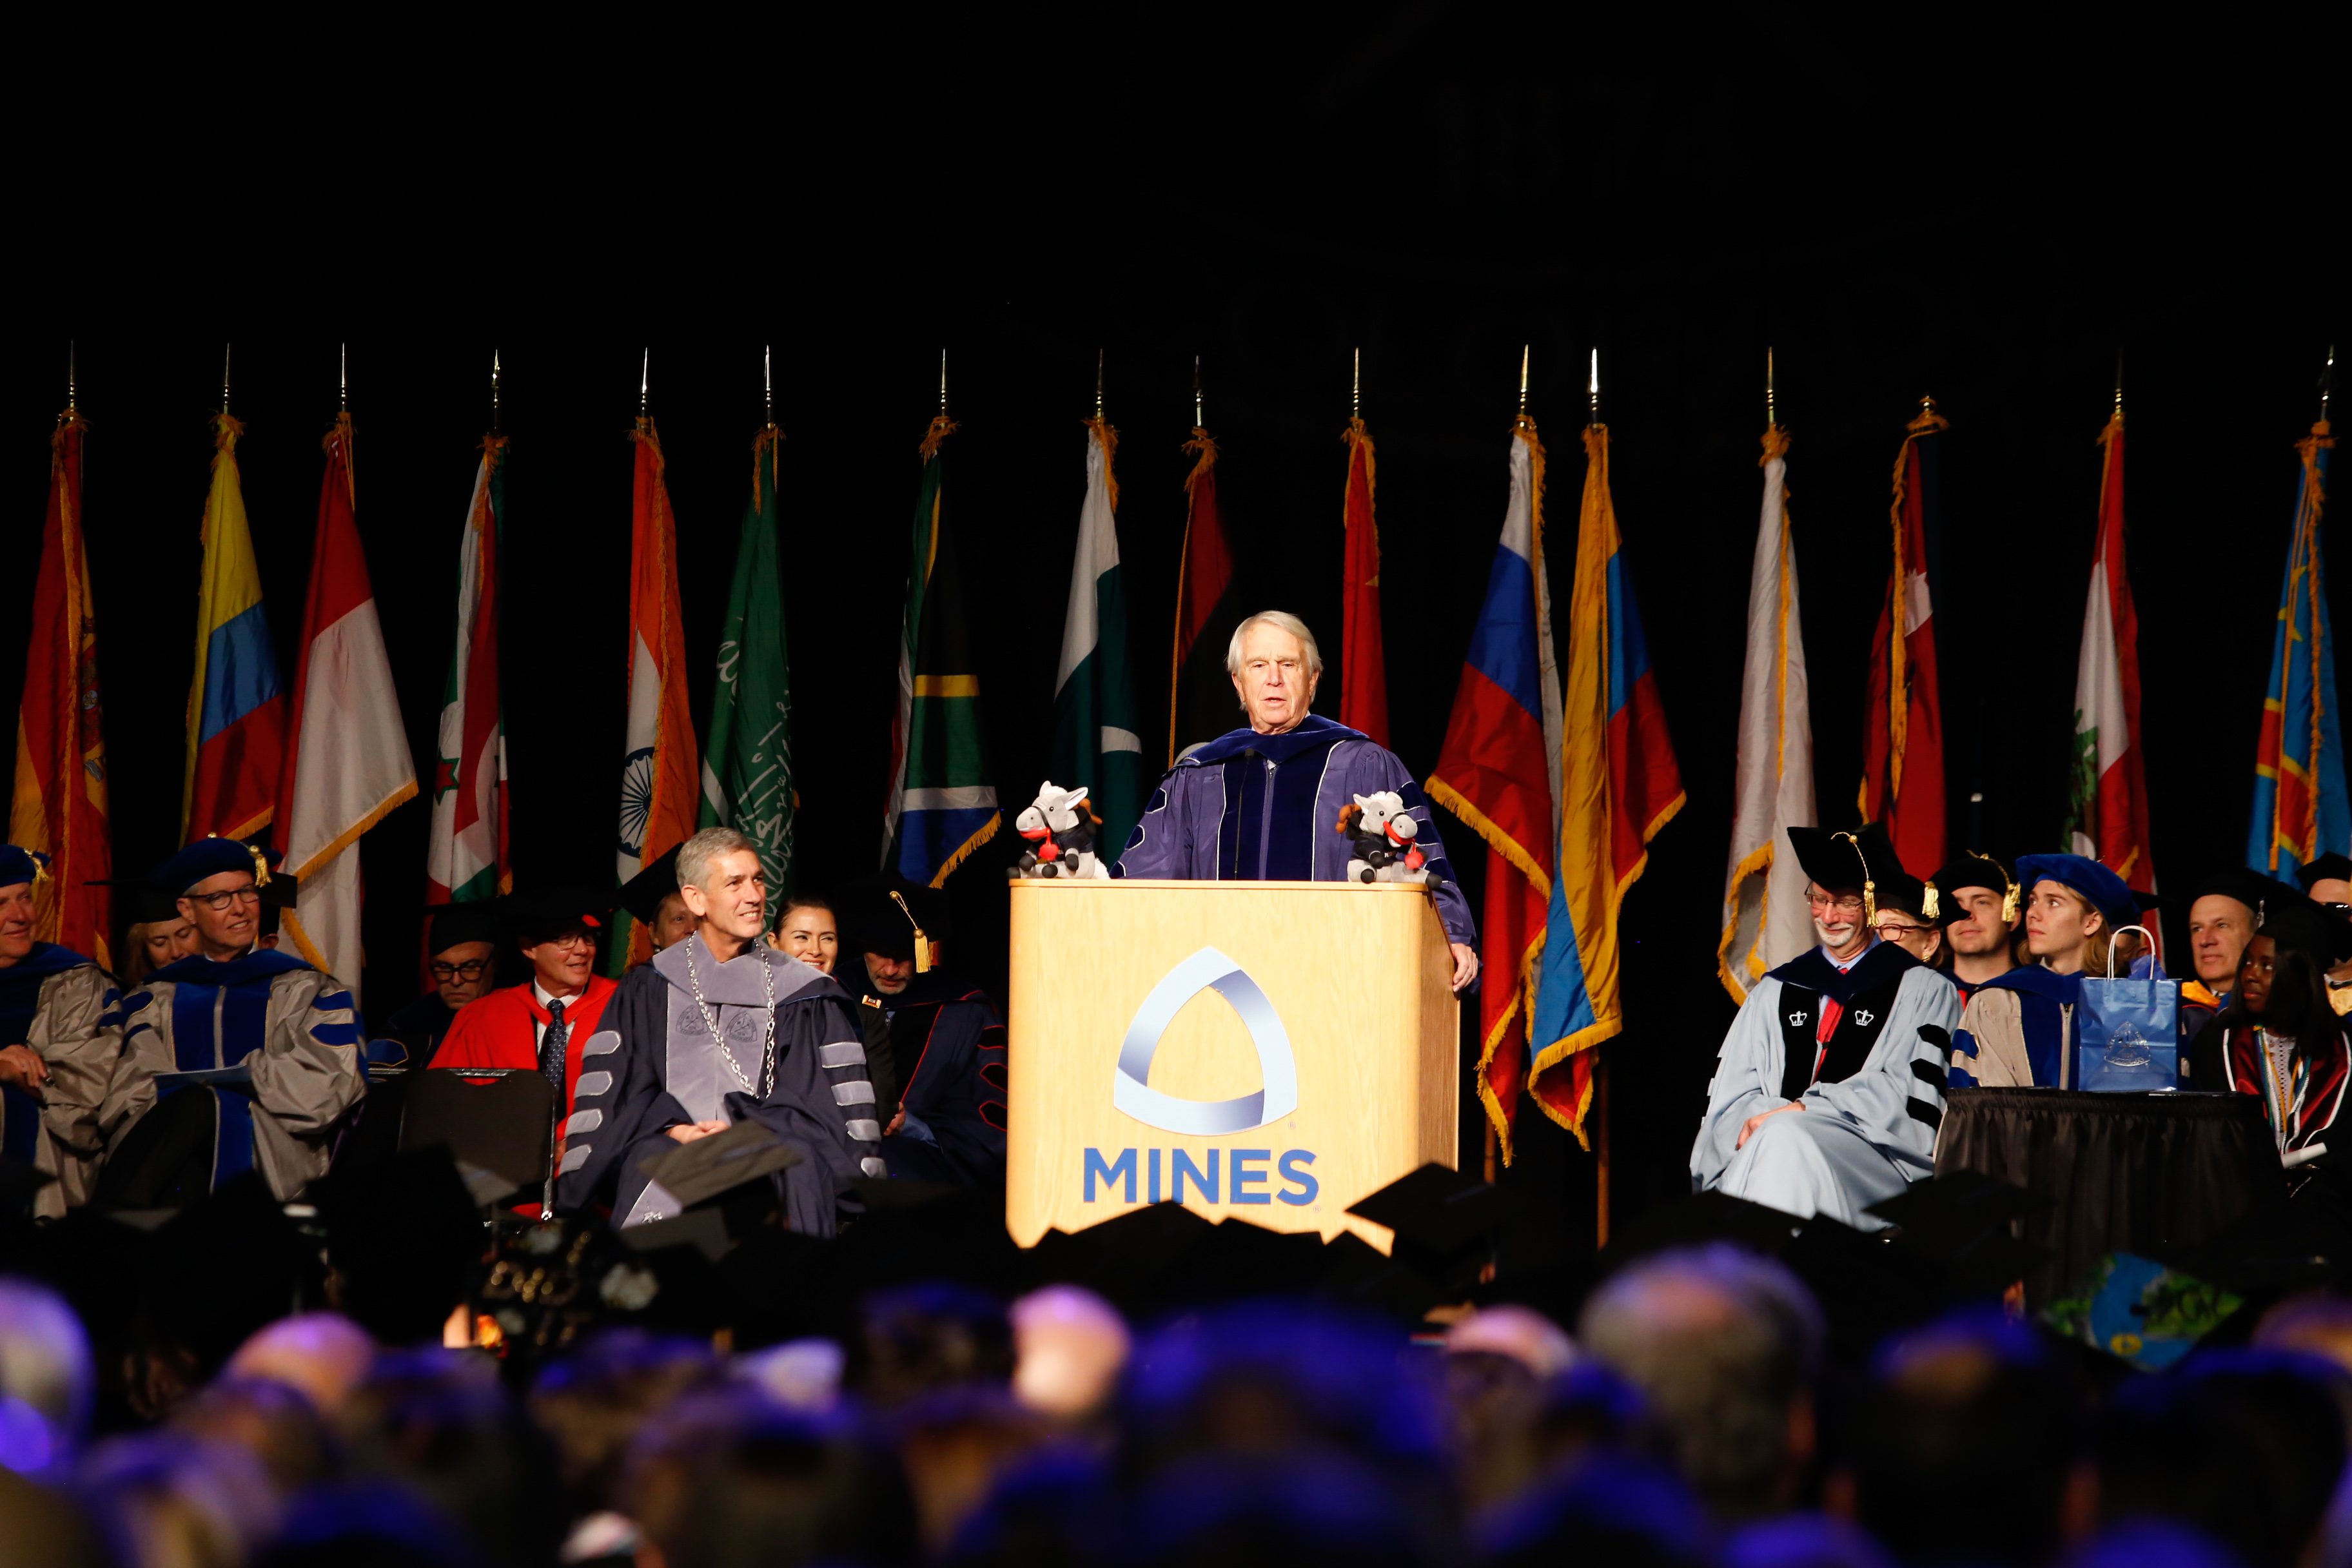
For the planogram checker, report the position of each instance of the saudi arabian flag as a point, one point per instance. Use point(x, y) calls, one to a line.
point(1094, 740)
point(942, 806)
point(747, 772)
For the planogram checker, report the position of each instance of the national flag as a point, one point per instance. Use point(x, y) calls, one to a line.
point(1094, 740)
point(1499, 772)
point(59, 806)
point(237, 708)
point(347, 759)
point(658, 762)
point(1765, 920)
point(2301, 811)
point(1363, 667)
point(466, 860)
point(1903, 727)
point(747, 774)
point(1201, 701)
point(942, 806)
point(2107, 812)
point(1619, 785)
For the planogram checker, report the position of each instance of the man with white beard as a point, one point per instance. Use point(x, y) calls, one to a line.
point(1831, 1084)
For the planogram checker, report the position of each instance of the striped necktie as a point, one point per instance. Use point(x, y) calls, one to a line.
point(550, 1047)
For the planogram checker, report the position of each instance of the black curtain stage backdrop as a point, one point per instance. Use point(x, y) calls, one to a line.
point(1922, 214)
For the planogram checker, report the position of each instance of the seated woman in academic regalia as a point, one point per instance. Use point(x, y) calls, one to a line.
point(1831, 1085)
point(2019, 1026)
point(2278, 1038)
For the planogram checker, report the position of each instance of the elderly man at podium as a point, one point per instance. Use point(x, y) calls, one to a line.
point(1262, 803)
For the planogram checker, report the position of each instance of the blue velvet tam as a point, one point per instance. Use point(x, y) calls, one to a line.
point(21, 865)
point(208, 857)
point(2107, 892)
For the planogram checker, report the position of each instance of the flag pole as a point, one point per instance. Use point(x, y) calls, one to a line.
point(1356, 391)
point(1523, 381)
point(2326, 383)
point(1196, 392)
point(224, 348)
point(645, 382)
point(768, 381)
point(71, 406)
point(1098, 378)
point(1600, 1053)
point(494, 391)
point(1771, 413)
point(943, 383)
point(343, 378)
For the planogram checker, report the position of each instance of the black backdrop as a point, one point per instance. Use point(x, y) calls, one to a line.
point(1960, 206)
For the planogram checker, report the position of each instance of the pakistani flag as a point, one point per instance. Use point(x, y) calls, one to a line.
point(942, 806)
point(747, 772)
point(1095, 739)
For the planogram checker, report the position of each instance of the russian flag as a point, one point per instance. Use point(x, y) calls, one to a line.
point(1619, 785)
point(1500, 773)
point(237, 708)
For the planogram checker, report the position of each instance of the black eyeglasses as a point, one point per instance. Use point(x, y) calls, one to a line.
point(472, 969)
point(2337, 908)
point(219, 901)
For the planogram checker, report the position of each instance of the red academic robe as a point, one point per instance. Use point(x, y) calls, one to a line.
point(498, 1031)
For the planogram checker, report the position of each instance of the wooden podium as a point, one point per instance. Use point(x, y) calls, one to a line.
point(1274, 1051)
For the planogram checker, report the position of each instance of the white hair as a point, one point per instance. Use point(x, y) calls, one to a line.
point(1281, 620)
point(694, 856)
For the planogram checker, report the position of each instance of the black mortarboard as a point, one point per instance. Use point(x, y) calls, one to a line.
point(884, 916)
point(2324, 869)
point(700, 1171)
point(1836, 858)
point(2250, 888)
point(2298, 922)
point(455, 924)
point(1444, 1223)
point(148, 904)
point(209, 856)
point(641, 894)
point(1976, 870)
point(1697, 1221)
point(546, 913)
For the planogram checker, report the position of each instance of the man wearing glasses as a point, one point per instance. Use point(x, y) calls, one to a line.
point(463, 965)
point(235, 1057)
point(1829, 1087)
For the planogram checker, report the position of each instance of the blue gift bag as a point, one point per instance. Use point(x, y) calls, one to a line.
point(2129, 1031)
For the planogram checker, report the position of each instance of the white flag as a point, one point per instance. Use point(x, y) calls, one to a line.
point(347, 759)
point(1764, 922)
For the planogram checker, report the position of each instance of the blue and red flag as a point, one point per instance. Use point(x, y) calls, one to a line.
point(1619, 785)
point(1500, 773)
point(2301, 810)
point(237, 708)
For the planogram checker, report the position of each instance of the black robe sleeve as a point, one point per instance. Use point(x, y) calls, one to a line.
point(957, 1085)
point(619, 1101)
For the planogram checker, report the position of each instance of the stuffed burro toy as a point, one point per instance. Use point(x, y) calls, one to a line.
point(1060, 827)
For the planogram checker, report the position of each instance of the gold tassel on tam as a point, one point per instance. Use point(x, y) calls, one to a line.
point(1869, 888)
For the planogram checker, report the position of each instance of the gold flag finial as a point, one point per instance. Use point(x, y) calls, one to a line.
point(343, 378)
point(1523, 380)
point(645, 382)
point(1099, 373)
point(2119, 384)
point(494, 391)
point(224, 350)
point(70, 379)
point(1771, 412)
point(1196, 392)
point(1356, 389)
point(768, 380)
point(943, 383)
point(2326, 383)
point(1593, 387)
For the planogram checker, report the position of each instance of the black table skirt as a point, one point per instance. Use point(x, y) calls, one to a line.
point(2124, 1173)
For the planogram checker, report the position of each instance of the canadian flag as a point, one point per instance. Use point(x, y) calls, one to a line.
point(2108, 793)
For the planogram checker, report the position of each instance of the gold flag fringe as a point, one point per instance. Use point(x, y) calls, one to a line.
point(942, 428)
point(1110, 439)
point(763, 448)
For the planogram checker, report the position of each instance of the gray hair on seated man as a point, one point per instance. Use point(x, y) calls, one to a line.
point(694, 856)
point(1723, 1345)
point(1286, 622)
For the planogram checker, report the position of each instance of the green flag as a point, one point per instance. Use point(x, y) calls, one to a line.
point(1095, 744)
point(942, 806)
point(747, 769)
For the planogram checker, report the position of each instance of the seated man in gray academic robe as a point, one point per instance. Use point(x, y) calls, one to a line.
point(721, 1029)
point(1831, 1085)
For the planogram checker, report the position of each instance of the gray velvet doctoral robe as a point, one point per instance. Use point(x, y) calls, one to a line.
point(1867, 1129)
point(653, 1065)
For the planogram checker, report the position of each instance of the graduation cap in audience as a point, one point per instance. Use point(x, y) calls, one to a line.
point(1708, 1216)
point(456, 925)
point(641, 894)
point(1444, 1221)
point(1964, 1223)
point(1976, 869)
point(2324, 869)
point(2250, 888)
point(706, 1168)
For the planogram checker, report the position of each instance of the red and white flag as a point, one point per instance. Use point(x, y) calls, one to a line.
point(347, 759)
point(2107, 794)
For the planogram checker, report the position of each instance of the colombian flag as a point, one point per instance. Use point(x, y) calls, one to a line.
point(1619, 785)
point(2301, 811)
point(1500, 773)
point(237, 711)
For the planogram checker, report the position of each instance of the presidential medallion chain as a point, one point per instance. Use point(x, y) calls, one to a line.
point(768, 1018)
